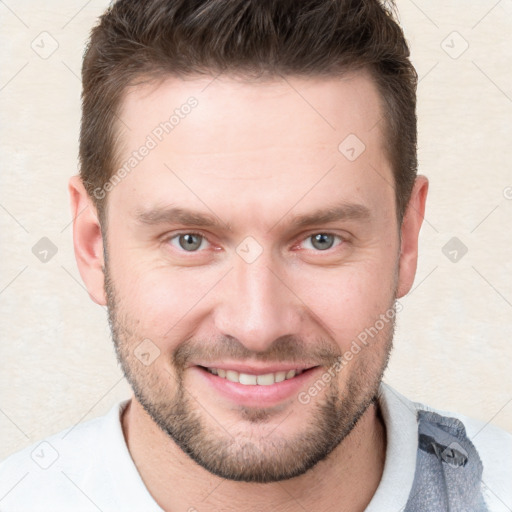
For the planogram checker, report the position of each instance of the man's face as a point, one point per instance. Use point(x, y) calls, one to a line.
point(262, 290)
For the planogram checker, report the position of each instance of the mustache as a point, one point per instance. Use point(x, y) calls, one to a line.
point(289, 348)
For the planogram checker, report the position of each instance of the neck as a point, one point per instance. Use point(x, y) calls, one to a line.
point(344, 482)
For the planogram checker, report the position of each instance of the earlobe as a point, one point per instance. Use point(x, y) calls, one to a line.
point(87, 240)
point(410, 231)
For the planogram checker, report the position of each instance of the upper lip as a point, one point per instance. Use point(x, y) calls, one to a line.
point(254, 369)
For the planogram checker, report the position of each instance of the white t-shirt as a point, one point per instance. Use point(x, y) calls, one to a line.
point(89, 468)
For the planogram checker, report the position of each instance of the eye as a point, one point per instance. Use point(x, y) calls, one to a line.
point(194, 242)
point(189, 242)
point(322, 241)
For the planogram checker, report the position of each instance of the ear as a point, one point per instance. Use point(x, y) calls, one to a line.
point(87, 240)
point(410, 230)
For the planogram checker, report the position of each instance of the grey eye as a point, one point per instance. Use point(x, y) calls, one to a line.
point(190, 241)
point(322, 241)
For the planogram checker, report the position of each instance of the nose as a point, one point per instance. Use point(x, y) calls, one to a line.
point(256, 305)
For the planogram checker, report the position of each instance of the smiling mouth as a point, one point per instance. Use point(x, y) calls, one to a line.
point(248, 379)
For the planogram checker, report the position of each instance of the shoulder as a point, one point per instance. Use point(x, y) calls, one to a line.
point(55, 466)
point(493, 445)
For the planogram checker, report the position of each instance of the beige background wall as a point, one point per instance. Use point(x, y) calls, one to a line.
point(453, 346)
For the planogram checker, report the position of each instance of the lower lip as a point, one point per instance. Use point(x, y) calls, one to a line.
point(257, 395)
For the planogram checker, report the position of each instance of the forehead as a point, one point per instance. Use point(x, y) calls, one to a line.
point(257, 139)
point(317, 109)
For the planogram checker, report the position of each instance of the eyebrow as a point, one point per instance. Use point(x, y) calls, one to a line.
point(176, 215)
point(187, 217)
point(345, 211)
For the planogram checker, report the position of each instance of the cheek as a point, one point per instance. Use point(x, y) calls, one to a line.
point(348, 300)
point(163, 302)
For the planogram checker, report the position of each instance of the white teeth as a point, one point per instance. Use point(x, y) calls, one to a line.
point(247, 379)
point(290, 374)
point(232, 376)
point(280, 376)
point(266, 380)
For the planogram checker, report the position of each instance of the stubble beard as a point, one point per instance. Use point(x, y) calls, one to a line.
point(238, 454)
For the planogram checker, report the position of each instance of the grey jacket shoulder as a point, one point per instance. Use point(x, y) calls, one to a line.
point(492, 444)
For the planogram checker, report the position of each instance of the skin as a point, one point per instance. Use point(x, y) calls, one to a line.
point(255, 155)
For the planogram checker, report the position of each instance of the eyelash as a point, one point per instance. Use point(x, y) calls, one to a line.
point(203, 237)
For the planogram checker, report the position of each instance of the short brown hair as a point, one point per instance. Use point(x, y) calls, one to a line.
point(152, 39)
